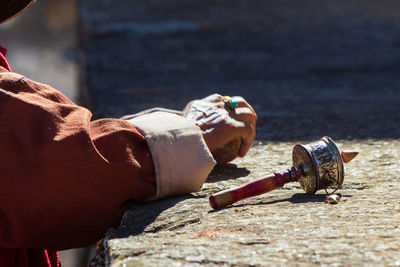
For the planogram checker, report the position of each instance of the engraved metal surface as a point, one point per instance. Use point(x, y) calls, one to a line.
point(321, 163)
point(302, 159)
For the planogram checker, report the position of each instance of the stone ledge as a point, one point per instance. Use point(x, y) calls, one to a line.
point(283, 227)
point(309, 68)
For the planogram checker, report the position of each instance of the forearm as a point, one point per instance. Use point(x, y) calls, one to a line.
point(66, 180)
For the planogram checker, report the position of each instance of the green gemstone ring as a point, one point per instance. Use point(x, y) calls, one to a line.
point(232, 103)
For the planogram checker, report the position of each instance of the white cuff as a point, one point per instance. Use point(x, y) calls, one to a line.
point(181, 158)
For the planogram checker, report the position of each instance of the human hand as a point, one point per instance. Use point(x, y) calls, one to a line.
point(228, 132)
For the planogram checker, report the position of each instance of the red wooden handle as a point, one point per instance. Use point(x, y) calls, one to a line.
point(253, 188)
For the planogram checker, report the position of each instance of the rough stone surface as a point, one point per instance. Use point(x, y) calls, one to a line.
point(285, 227)
point(309, 68)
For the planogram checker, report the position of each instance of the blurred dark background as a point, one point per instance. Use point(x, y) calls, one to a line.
point(42, 44)
point(310, 68)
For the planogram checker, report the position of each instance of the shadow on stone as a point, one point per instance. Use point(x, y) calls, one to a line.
point(137, 219)
point(227, 172)
point(298, 198)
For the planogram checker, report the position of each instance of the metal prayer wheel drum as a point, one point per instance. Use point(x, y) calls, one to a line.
point(321, 164)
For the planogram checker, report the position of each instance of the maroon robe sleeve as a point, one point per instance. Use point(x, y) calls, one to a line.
point(64, 178)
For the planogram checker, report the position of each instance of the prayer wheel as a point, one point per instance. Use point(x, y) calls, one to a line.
point(318, 165)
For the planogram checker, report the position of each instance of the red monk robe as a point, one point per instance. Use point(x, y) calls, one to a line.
point(48, 197)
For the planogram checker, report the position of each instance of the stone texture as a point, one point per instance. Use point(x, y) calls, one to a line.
point(283, 227)
point(309, 68)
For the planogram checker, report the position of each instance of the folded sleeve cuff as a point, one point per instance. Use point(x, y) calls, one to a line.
point(181, 158)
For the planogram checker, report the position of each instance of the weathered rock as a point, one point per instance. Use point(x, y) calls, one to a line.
point(309, 68)
point(283, 227)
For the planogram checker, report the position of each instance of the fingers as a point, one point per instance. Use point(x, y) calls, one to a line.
point(241, 102)
point(221, 123)
point(214, 98)
point(244, 114)
point(246, 117)
point(247, 140)
point(247, 133)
